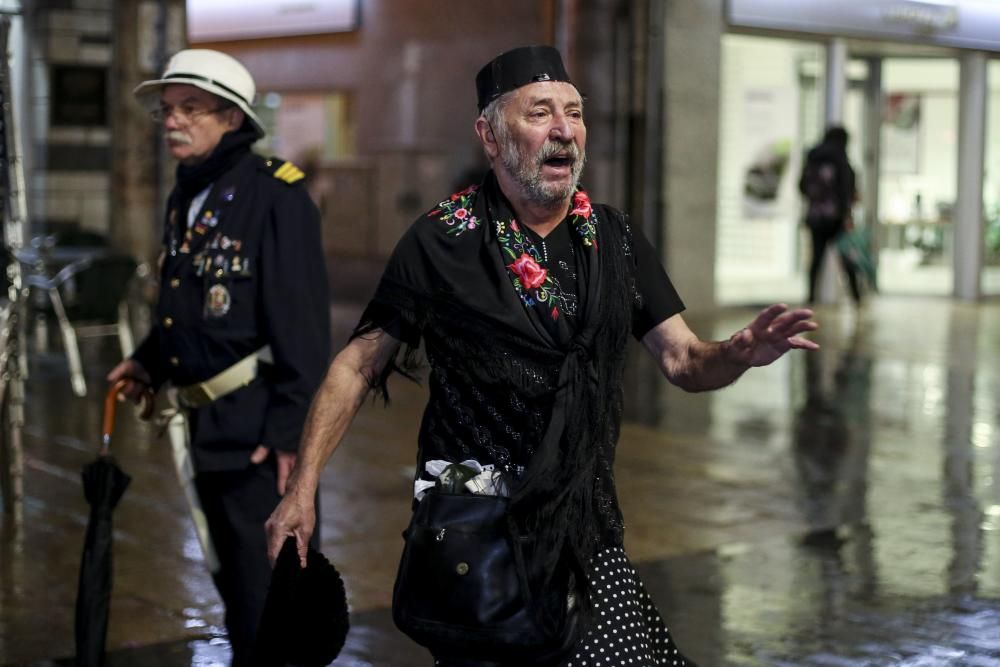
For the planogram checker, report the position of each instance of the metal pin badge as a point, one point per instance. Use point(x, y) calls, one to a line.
point(218, 301)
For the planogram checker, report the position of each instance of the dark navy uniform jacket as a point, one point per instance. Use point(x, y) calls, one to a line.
point(248, 273)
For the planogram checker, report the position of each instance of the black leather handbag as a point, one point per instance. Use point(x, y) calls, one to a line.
point(466, 586)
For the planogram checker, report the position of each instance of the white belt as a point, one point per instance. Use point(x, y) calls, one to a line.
point(236, 376)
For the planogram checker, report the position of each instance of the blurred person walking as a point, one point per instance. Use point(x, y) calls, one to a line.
point(827, 182)
point(242, 329)
point(524, 293)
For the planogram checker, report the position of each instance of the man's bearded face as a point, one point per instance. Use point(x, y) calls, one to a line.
point(541, 141)
point(527, 166)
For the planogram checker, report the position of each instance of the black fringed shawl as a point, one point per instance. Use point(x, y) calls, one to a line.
point(511, 383)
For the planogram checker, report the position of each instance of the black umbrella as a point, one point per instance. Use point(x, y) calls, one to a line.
point(103, 485)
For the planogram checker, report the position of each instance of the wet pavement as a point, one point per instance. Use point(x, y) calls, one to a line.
point(837, 508)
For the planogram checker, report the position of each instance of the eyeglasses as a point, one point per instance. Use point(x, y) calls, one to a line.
point(184, 114)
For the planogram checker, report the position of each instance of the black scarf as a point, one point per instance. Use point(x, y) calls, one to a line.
point(192, 179)
point(570, 475)
point(455, 274)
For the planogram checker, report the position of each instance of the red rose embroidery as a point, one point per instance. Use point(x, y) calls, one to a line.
point(528, 271)
point(581, 204)
point(461, 213)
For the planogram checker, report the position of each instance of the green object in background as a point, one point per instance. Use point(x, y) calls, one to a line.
point(453, 478)
point(856, 247)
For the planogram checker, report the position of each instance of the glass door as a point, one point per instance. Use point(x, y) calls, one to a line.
point(917, 175)
point(991, 186)
point(771, 109)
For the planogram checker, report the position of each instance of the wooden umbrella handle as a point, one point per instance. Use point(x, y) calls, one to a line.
point(111, 404)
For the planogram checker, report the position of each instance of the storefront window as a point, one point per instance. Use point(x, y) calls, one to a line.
point(772, 108)
point(991, 185)
point(918, 169)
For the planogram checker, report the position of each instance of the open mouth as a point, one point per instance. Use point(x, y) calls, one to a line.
point(559, 161)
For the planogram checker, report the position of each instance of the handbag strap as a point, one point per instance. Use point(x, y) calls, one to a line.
point(519, 565)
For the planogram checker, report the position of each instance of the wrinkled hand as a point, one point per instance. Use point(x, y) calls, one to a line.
point(136, 377)
point(285, 463)
point(294, 516)
point(772, 333)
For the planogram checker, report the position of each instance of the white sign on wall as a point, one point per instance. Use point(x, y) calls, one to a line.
point(768, 121)
point(969, 24)
point(222, 20)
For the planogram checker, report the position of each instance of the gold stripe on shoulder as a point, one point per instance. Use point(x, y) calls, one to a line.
point(289, 173)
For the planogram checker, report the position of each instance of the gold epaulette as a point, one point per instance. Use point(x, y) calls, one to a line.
point(285, 171)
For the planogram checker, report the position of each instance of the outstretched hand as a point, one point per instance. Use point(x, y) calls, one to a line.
point(772, 333)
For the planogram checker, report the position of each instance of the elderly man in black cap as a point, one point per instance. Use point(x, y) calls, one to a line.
point(524, 292)
point(242, 329)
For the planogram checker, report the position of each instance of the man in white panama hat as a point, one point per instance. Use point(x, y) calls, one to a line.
point(242, 330)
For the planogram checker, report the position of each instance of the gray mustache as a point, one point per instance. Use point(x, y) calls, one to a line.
point(553, 148)
point(178, 137)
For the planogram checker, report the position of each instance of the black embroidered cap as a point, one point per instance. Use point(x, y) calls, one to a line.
point(518, 67)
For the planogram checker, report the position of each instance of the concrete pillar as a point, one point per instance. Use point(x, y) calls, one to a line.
point(872, 143)
point(146, 33)
point(692, 41)
point(836, 81)
point(833, 114)
point(597, 60)
point(968, 223)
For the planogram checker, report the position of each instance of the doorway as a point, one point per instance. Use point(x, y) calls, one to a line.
point(901, 111)
point(917, 175)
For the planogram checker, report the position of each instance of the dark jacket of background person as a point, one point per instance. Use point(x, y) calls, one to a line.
point(828, 185)
point(827, 181)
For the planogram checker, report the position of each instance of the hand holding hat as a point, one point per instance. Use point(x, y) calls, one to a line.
point(305, 619)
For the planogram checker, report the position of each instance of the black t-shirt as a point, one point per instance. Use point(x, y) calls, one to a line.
point(657, 299)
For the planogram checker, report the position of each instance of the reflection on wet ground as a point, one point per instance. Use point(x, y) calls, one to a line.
point(836, 508)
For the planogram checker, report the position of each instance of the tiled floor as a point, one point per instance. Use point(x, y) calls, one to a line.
point(836, 508)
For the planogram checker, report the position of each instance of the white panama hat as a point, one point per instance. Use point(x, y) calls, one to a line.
point(213, 71)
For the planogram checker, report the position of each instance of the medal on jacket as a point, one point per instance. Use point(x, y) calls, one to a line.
point(207, 220)
point(218, 301)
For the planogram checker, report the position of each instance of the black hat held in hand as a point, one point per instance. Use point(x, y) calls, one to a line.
point(305, 619)
point(518, 67)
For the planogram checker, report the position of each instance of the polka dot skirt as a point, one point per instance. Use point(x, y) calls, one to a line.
point(626, 629)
